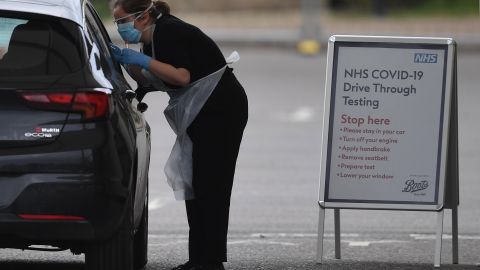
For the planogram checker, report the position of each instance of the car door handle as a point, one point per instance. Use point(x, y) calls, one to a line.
point(130, 95)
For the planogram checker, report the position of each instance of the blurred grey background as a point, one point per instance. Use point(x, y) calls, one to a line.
point(287, 22)
point(274, 210)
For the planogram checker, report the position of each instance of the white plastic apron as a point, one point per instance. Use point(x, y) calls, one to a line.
point(183, 107)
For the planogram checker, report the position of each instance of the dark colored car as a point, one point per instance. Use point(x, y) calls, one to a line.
point(74, 144)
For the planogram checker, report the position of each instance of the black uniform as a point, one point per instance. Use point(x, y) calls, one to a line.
point(216, 134)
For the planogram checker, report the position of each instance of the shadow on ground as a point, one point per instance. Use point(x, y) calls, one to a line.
point(22, 265)
point(384, 266)
point(280, 265)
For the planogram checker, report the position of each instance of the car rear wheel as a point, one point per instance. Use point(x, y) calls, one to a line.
point(115, 253)
point(140, 253)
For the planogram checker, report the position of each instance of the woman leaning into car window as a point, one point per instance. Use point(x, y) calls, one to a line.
point(208, 111)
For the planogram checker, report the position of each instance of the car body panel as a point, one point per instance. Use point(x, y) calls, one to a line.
point(66, 9)
point(88, 169)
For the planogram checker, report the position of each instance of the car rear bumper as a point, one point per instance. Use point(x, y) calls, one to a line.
point(58, 208)
point(16, 232)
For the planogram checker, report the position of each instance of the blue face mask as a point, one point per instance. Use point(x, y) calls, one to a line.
point(129, 33)
point(127, 30)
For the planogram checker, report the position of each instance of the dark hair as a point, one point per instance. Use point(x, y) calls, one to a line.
point(132, 6)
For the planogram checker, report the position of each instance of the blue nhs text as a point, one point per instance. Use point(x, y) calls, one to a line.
point(428, 58)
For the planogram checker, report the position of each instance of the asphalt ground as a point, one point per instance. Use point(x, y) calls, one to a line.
point(268, 252)
point(274, 209)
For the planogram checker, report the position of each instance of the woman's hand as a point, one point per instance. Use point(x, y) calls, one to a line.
point(130, 57)
point(166, 72)
point(117, 51)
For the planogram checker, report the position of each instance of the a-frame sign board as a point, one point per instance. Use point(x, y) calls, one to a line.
point(390, 129)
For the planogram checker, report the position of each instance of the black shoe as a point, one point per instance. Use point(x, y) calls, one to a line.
point(189, 266)
point(193, 266)
point(217, 266)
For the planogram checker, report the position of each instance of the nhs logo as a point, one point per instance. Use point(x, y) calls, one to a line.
point(428, 58)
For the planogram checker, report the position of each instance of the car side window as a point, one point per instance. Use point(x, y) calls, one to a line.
point(102, 58)
point(39, 46)
point(101, 33)
point(6, 31)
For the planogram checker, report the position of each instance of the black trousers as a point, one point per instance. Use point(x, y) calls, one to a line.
point(216, 134)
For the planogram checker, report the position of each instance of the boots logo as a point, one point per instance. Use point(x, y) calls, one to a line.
point(412, 186)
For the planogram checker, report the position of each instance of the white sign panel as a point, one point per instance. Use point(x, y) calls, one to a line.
point(386, 122)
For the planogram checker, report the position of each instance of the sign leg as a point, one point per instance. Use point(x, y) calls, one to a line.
point(438, 242)
point(321, 227)
point(338, 247)
point(455, 235)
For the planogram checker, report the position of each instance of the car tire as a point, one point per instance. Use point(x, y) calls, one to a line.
point(140, 251)
point(115, 253)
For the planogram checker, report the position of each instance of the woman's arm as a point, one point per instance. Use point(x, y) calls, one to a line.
point(136, 73)
point(166, 72)
point(170, 74)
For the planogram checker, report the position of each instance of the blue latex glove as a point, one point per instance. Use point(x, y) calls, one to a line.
point(117, 52)
point(130, 57)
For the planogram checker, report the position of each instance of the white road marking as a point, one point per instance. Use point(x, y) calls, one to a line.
point(341, 235)
point(157, 203)
point(445, 236)
point(165, 244)
point(276, 239)
point(368, 243)
point(282, 235)
point(239, 242)
point(299, 235)
point(358, 243)
point(168, 236)
point(261, 242)
point(233, 242)
point(300, 115)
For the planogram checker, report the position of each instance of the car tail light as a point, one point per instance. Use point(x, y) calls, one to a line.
point(91, 104)
point(51, 217)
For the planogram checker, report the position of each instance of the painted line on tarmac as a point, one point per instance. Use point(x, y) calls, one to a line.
point(157, 203)
point(261, 242)
point(234, 242)
point(168, 236)
point(247, 239)
point(165, 244)
point(299, 235)
point(368, 243)
point(445, 236)
point(257, 235)
point(274, 239)
point(282, 235)
point(300, 115)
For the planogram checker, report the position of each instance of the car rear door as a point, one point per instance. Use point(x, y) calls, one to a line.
point(41, 60)
point(130, 106)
